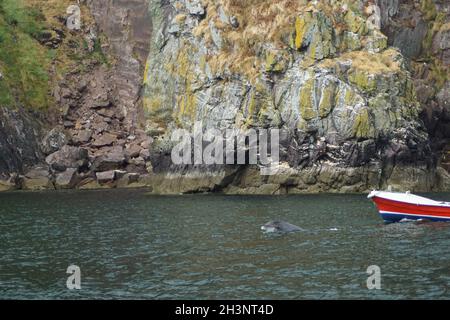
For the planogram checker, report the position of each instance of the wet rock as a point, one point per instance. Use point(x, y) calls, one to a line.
point(37, 179)
point(89, 183)
point(133, 177)
point(129, 179)
point(54, 140)
point(68, 157)
point(106, 176)
point(67, 179)
point(7, 185)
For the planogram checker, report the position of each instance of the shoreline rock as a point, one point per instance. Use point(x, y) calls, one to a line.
point(246, 181)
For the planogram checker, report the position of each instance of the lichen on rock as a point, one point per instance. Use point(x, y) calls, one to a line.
point(322, 71)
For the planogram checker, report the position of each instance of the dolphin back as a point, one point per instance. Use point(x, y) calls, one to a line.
point(288, 227)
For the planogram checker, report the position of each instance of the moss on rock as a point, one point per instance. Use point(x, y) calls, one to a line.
point(307, 111)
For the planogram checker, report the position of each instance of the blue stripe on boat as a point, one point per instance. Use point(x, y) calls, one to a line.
point(396, 217)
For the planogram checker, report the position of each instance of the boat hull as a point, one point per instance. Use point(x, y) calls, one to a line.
point(395, 211)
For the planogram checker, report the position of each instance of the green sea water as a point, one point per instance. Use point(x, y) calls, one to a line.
point(129, 245)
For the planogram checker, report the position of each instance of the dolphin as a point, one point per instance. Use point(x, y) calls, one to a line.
point(280, 226)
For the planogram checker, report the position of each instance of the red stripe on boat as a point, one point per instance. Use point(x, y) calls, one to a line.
point(410, 209)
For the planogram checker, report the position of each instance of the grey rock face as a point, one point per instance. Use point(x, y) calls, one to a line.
point(128, 26)
point(410, 40)
point(338, 108)
point(389, 8)
point(19, 140)
point(421, 31)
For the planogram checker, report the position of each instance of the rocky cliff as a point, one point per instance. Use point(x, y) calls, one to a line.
point(348, 96)
point(358, 88)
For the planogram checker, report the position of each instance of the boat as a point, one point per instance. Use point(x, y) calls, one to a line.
point(396, 206)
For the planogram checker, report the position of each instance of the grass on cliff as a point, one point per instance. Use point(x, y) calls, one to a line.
point(28, 67)
point(23, 61)
point(262, 24)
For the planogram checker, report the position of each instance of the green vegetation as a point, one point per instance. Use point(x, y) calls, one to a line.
point(28, 66)
point(23, 61)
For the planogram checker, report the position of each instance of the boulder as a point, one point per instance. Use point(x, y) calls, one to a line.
point(111, 159)
point(106, 176)
point(68, 157)
point(66, 179)
point(133, 151)
point(120, 174)
point(106, 139)
point(37, 179)
point(82, 136)
point(54, 140)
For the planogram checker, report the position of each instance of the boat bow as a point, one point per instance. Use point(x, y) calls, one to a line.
point(395, 206)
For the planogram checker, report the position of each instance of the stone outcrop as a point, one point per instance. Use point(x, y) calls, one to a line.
point(20, 132)
point(359, 90)
point(67, 179)
point(322, 72)
point(37, 179)
point(421, 30)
